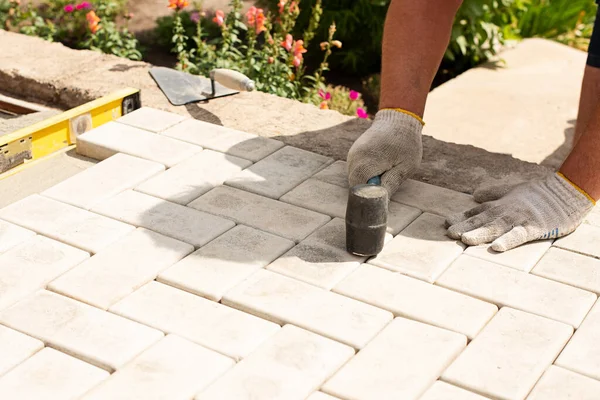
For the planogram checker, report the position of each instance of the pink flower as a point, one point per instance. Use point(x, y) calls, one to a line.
point(219, 18)
point(270, 60)
point(83, 6)
point(69, 8)
point(195, 17)
point(281, 6)
point(361, 113)
point(256, 18)
point(324, 95)
point(354, 95)
point(288, 42)
point(297, 61)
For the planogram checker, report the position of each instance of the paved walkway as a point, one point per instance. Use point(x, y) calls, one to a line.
point(196, 260)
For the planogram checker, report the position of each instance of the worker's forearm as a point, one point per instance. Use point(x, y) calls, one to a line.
point(415, 38)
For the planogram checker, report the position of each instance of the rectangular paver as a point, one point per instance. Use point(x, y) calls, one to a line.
point(105, 179)
point(98, 337)
point(65, 223)
point(444, 391)
point(506, 286)
point(560, 384)
point(402, 362)
point(321, 259)
point(260, 212)
point(170, 219)
point(418, 300)
point(226, 140)
point(31, 265)
point(422, 250)
point(570, 268)
point(280, 172)
point(582, 354)
point(286, 300)
point(226, 261)
point(193, 177)
point(121, 268)
point(522, 258)
point(50, 375)
point(12, 235)
point(593, 218)
point(584, 240)
point(151, 119)
point(289, 366)
point(173, 369)
point(213, 325)
point(112, 138)
point(336, 174)
point(15, 348)
point(508, 357)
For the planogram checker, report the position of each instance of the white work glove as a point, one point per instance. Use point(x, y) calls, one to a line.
point(545, 209)
point(391, 147)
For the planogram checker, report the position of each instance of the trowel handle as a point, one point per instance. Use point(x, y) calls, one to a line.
point(232, 79)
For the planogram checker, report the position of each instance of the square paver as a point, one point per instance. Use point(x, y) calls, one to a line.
point(418, 300)
point(103, 180)
point(593, 218)
point(558, 384)
point(98, 337)
point(225, 140)
point(50, 375)
point(584, 240)
point(121, 268)
point(226, 261)
point(65, 223)
point(213, 325)
point(280, 172)
point(582, 353)
point(173, 369)
point(12, 235)
point(444, 391)
point(522, 258)
point(193, 177)
point(506, 286)
point(151, 119)
point(289, 366)
point(400, 363)
point(15, 348)
point(336, 174)
point(433, 199)
point(260, 212)
point(170, 219)
point(113, 137)
point(508, 357)
point(570, 268)
point(31, 265)
point(422, 250)
point(286, 300)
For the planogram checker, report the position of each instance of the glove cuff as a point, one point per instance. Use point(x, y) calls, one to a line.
point(406, 112)
point(396, 121)
point(574, 186)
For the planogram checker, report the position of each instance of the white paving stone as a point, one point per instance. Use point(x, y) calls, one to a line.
point(593, 218)
point(113, 137)
point(151, 119)
point(65, 223)
point(584, 240)
point(321, 259)
point(226, 261)
point(321, 396)
point(422, 250)
point(213, 325)
point(12, 235)
point(50, 375)
point(193, 177)
point(105, 179)
point(336, 174)
point(570, 268)
point(289, 366)
point(280, 172)
point(286, 300)
point(433, 199)
point(15, 348)
point(508, 357)
point(522, 258)
point(98, 337)
point(173, 369)
point(560, 384)
point(506, 286)
point(418, 300)
point(444, 391)
point(582, 354)
point(226, 140)
point(170, 219)
point(31, 265)
point(121, 268)
point(400, 363)
point(260, 212)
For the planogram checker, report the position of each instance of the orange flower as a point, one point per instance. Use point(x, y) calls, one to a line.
point(288, 42)
point(178, 4)
point(298, 49)
point(256, 18)
point(93, 21)
point(219, 18)
point(324, 106)
point(281, 6)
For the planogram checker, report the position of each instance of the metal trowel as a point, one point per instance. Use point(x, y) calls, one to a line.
point(182, 88)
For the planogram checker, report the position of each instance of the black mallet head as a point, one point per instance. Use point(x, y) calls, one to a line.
point(366, 219)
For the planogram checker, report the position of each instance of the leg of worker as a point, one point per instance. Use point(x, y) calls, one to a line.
point(416, 35)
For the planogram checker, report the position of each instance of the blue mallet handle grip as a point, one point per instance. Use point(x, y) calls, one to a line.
point(376, 180)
